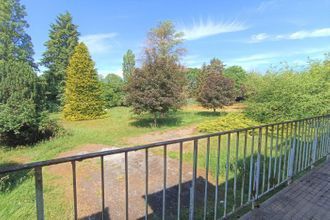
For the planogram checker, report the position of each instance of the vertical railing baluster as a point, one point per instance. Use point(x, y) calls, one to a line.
point(264, 164)
point(180, 182)
point(146, 182)
point(164, 182)
point(258, 164)
point(74, 183)
point(301, 144)
point(102, 187)
point(227, 173)
point(270, 159)
point(251, 166)
point(305, 145)
point(284, 174)
point(235, 171)
point(244, 167)
point(206, 176)
point(309, 142)
point(193, 187)
point(217, 179)
point(292, 155)
point(280, 160)
point(276, 155)
point(297, 148)
point(314, 152)
point(126, 186)
point(39, 193)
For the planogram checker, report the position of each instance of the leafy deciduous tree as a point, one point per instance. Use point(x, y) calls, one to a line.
point(113, 90)
point(215, 90)
point(239, 76)
point(158, 86)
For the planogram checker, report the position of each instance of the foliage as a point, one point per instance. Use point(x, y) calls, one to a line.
point(21, 121)
point(230, 121)
point(63, 38)
point(113, 90)
point(239, 76)
point(128, 64)
point(192, 79)
point(15, 43)
point(158, 86)
point(164, 41)
point(286, 94)
point(83, 94)
point(215, 90)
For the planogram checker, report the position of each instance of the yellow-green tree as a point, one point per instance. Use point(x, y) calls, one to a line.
point(82, 89)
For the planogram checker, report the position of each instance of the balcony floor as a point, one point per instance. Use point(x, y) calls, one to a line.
point(306, 198)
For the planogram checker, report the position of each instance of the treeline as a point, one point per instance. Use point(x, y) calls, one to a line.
point(70, 83)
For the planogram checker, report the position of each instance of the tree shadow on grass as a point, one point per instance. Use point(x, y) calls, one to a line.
point(211, 113)
point(147, 122)
point(10, 181)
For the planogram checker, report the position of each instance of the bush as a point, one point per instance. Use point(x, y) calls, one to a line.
point(230, 121)
point(286, 95)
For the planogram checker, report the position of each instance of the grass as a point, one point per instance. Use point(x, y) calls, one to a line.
point(17, 196)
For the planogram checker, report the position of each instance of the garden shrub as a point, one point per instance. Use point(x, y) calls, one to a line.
point(230, 121)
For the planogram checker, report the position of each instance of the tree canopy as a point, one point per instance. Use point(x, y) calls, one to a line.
point(128, 64)
point(83, 94)
point(63, 38)
point(15, 43)
point(215, 90)
point(158, 86)
point(287, 94)
point(113, 90)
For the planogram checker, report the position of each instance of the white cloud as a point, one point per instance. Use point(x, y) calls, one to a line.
point(259, 37)
point(322, 32)
point(98, 43)
point(203, 29)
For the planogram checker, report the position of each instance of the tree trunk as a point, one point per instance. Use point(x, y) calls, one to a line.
point(155, 119)
point(214, 110)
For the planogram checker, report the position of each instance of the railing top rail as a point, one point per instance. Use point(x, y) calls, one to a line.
point(136, 148)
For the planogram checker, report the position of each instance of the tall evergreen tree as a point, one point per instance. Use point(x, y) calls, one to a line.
point(83, 94)
point(63, 38)
point(21, 119)
point(15, 43)
point(128, 64)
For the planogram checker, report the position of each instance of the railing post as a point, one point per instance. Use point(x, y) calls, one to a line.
point(193, 186)
point(39, 193)
point(292, 155)
point(314, 144)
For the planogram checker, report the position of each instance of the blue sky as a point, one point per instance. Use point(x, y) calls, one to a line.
point(253, 34)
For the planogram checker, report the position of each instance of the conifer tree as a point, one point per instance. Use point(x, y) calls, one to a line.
point(63, 38)
point(128, 64)
point(15, 43)
point(21, 119)
point(83, 94)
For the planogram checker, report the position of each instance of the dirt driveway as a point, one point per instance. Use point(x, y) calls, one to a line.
point(89, 181)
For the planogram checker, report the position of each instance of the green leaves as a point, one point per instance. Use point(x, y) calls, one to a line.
point(83, 94)
point(63, 38)
point(215, 90)
point(289, 95)
point(128, 64)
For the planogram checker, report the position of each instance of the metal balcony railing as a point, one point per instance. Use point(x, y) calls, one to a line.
point(244, 165)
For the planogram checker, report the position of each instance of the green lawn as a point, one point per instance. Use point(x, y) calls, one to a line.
point(119, 124)
point(17, 199)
